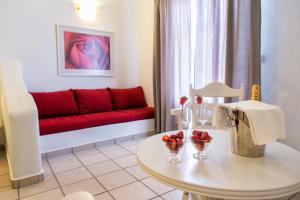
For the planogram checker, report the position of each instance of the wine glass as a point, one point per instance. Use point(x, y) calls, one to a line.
point(203, 114)
point(200, 146)
point(175, 149)
point(186, 120)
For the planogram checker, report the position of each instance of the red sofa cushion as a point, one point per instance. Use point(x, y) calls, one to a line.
point(53, 104)
point(138, 113)
point(128, 98)
point(93, 100)
point(113, 117)
point(61, 124)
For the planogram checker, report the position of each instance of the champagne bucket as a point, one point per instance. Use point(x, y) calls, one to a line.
point(241, 139)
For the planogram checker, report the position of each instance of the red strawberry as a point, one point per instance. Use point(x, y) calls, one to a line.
point(173, 136)
point(204, 136)
point(165, 138)
point(179, 135)
point(196, 132)
point(183, 100)
point(195, 137)
point(199, 99)
point(173, 141)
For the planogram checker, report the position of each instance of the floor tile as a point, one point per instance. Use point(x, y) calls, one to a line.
point(156, 186)
point(4, 169)
point(157, 198)
point(108, 147)
point(134, 191)
point(73, 176)
point(61, 158)
point(103, 168)
point(115, 179)
point(132, 149)
point(7, 193)
point(49, 183)
point(117, 153)
point(173, 195)
point(83, 148)
point(4, 180)
point(127, 143)
point(62, 166)
point(55, 194)
point(127, 161)
point(91, 185)
point(86, 152)
point(104, 196)
point(137, 172)
point(47, 169)
point(92, 159)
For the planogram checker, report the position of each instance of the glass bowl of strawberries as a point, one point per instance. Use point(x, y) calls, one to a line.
point(174, 142)
point(200, 140)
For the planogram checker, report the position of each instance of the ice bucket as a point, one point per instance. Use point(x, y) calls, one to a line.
point(241, 140)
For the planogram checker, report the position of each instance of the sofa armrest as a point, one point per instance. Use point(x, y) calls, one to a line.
point(20, 119)
point(22, 135)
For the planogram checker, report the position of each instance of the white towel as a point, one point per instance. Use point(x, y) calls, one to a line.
point(267, 122)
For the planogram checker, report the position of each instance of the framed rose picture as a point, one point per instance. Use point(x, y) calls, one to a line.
point(84, 52)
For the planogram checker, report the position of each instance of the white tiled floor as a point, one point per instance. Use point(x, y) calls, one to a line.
point(109, 172)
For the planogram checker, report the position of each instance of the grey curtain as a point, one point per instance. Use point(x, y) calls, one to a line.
point(242, 65)
point(171, 59)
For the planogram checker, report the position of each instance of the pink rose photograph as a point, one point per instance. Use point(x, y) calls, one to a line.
point(84, 52)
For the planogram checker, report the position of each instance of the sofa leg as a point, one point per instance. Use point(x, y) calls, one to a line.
point(27, 181)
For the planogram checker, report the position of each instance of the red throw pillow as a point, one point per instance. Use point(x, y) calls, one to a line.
point(93, 100)
point(128, 98)
point(53, 104)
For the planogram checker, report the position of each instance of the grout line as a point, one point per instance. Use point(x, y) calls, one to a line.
point(56, 178)
point(94, 176)
point(133, 176)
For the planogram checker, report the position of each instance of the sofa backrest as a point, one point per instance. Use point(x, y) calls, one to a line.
point(93, 100)
point(85, 101)
point(54, 104)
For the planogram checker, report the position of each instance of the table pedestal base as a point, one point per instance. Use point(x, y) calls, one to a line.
point(190, 196)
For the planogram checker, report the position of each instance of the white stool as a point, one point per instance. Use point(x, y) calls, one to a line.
point(79, 196)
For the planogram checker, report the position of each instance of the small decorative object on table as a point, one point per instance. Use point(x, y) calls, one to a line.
point(202, 112)
point(200, 140)
point(186, 114)
point(174, 142)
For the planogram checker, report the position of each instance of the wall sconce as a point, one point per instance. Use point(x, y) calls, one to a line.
point(87, 9)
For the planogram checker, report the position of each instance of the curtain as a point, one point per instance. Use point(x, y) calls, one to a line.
point(172, 58)
point(199, 42)
point(243, 44)
point(210, 34)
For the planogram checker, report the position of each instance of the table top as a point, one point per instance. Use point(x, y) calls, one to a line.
point(224, 174)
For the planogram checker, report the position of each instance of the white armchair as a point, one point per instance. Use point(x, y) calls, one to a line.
point(215, 89)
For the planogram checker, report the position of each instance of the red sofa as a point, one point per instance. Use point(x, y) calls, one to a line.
point(75, 109)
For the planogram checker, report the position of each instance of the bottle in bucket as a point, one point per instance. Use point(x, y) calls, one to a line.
point(255, 93)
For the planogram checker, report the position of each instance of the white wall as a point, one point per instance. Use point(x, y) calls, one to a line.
point(28, 34)
point(281, 65)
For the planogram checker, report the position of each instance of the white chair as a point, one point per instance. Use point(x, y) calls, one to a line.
point(215, 89)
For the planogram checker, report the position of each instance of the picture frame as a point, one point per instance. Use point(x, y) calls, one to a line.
point(84, 52)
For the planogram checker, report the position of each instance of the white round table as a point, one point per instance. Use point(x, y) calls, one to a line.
point(224, 175)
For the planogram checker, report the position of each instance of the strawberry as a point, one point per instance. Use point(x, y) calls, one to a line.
point(172, 141)
point(204, 136)
point(183, 100)
point(195, 137)
point(199, 99)
point(165, 138)
point(179, 135)
point(173, 136)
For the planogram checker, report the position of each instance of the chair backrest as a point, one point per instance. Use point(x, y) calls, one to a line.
point(215, 89)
